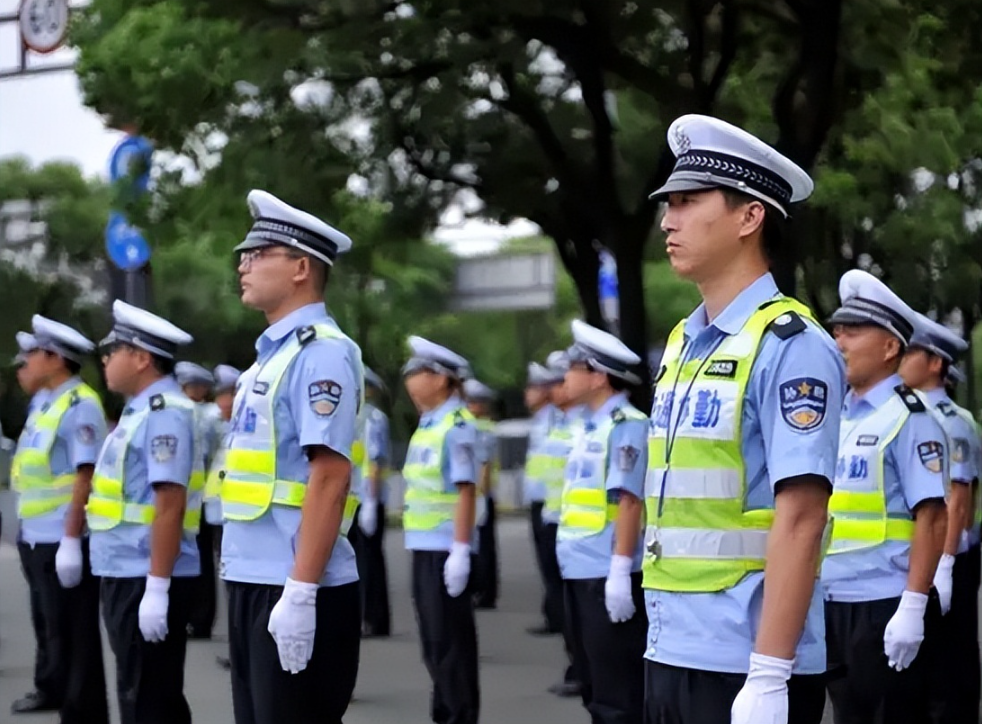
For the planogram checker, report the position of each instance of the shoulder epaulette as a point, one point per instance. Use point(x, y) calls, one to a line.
point(157, 402)
point(910, 398)
point(306, 335)
point(617, 415)
point(787, 325)
point(458, 419)
point(74, 399)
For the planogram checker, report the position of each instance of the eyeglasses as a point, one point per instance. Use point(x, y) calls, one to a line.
point(247, 257)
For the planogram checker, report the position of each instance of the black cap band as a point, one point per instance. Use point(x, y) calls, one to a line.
point(755, 176)
point(865, 311)
point(153, 344)
point(283, 232)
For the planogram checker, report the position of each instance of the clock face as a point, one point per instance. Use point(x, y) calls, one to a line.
point(43, 24)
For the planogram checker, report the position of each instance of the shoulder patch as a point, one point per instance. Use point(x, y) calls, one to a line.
point(787, 325)
point(931, 454)
point(306, 335)
point(910, 398)
point(324, 397)
point(157, 402)
point(804, 401)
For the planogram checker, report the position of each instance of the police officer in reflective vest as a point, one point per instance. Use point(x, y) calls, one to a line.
point(744, 429)
point(47, 693)
point(54, 463)
point(538, 385)
point(441, 471)
point(927, 365)
point(143, 514)
point(890, 518)
point(480, 398)
point(196, 382)
point(368, 536)
point(599, 535)
point(566, 425)
point(294, 613)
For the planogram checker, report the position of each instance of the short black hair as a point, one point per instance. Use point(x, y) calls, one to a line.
point(775, 225)
point(618, 384)
point(72, 366)
point(164, 365)
point(319, 271)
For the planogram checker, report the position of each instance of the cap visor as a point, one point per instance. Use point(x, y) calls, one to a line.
point(253, 244)
point(676, 185)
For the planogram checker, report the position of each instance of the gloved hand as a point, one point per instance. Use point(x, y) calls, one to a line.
point(68, 562)
point(942, 581)
point(368, 516)
point(457, 569)
point(153, 609)
point(905, 631)
point(617, 589)
point(293, 622)
point(764, 697)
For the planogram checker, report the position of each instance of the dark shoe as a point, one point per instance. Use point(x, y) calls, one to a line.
point(34, 701)
point(565, 689)
point(542, 630)
point(223, 663)
point(368, 632)
point(196, 635)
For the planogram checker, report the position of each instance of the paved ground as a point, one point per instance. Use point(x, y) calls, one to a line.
point(392, 686)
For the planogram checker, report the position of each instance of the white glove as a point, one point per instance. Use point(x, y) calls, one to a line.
point(905, 631)
point(368, 516)
point(293, 622)
point(764, 697)
point(457, 569)
point(617, 589)
point(153, 609)
point(942, 581)
point(68, 562)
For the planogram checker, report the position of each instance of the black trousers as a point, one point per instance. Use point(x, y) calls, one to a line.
point(372, 575)
point(448, 634)
point(674, 695)
point(206, 599)
point(149, 676)
point(544, 543)
point(262, 692)
point(862, 687)
point(69, 618)
point(954, 668)
point(486, 595)
point(609, 656)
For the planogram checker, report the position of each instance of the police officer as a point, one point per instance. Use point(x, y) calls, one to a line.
point(744, 429)
point(441, 471)
point(48, 692)
point(143, 515)
point(368, 537)
point(55, 460)
point(197, 383)
point(890, 518)
point(926, 366)
point(538, 384)
point(567, 423)
point(294, 615)
point(480, 398)
point(599, 536)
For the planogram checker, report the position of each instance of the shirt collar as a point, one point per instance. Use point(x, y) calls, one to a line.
point(69, 384)
point(608, 407)
point(142, 399)
point(306, 315)
point(731, 320)
point(430, 416)
point(877, 395)
point(938, 394)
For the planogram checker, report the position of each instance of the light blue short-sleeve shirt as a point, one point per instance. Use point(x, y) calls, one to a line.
point(459, 465)
point(881, 572)
point(262, 550)
point(377, 446)
point(716, 631)
point(77, 442)
point(161, 451)
point(627, 463)
point(558, 447)
point(534, 490)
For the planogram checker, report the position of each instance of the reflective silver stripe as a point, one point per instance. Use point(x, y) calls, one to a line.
point(708, 543)
point(709, 483)
point(34, 494)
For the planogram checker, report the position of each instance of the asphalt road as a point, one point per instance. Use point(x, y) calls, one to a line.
point(393, 687)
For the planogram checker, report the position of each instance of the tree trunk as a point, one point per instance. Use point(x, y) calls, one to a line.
point(633, 315)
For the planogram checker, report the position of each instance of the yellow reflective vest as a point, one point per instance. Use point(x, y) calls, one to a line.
point(250, 482)
point(42, 492)
point(700, 537)
point(108, 506)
